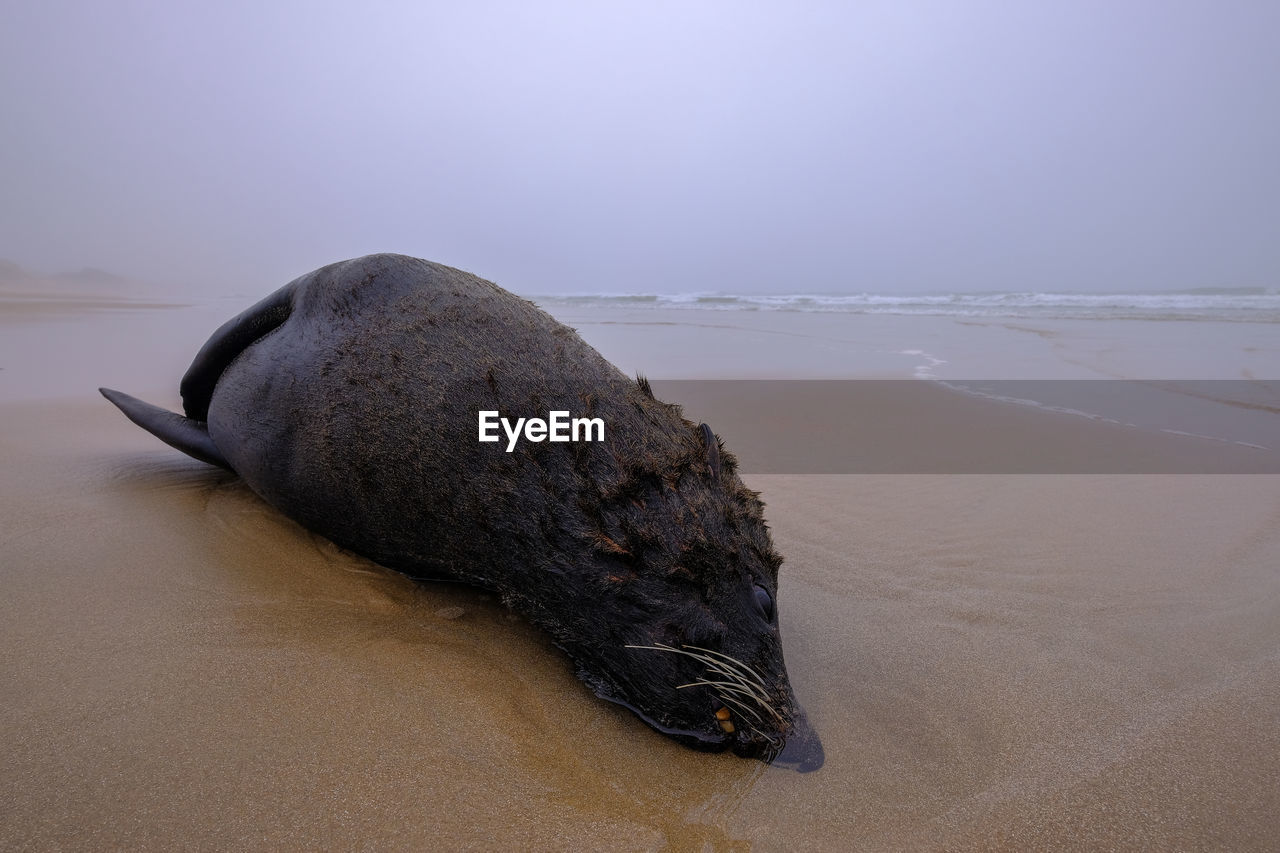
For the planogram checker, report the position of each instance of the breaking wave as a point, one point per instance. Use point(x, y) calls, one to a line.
point(1256, 305)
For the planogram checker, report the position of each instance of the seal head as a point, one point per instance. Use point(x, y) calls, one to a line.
point(683, 558)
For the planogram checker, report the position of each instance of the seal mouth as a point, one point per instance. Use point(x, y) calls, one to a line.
point(723, 716)
point(799, 750)
point(705, 741)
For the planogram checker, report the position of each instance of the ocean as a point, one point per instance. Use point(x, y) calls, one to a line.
point(1203, 362)
point(1252, 305)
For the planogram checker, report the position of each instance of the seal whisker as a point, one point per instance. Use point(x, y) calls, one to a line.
point(724, 685)
point(732, 662)
point(734, 678)
point(715, 664)
point(734, 670)
point(742, 670)
point(744, 707)
point(741, 706)
point(748, 690)
point(722, 664)
point(764, 735)
point(711, 663)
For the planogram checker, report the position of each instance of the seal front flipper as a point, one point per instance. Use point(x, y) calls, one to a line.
point(186, 434)
point(231, 339)
point(191, 434)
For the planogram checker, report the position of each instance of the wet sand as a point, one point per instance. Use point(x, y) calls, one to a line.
point(800, 426)
point(993, 661)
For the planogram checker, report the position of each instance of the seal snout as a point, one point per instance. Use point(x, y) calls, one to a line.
point(796, 747)
point(802, 750)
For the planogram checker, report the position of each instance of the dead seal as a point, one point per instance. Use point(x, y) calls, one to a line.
point(349, 400)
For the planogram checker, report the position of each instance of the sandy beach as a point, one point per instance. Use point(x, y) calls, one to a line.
point(993, 660)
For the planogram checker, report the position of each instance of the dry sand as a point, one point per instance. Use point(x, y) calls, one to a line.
point(1014, 661)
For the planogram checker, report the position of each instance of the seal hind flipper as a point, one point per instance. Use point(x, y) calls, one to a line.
point(186, 434)
point(231, 339)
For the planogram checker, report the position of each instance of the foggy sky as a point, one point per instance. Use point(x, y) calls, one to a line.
point(553, 147)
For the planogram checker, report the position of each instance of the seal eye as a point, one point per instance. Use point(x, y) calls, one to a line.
point(764, 603)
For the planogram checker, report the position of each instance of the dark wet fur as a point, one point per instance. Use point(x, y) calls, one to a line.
point(349, 400)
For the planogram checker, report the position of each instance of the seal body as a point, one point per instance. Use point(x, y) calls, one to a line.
point(350, 399)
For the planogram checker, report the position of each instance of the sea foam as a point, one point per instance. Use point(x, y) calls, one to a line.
point(1255, 305)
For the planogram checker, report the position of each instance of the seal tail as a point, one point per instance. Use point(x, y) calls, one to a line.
point(186, 434)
